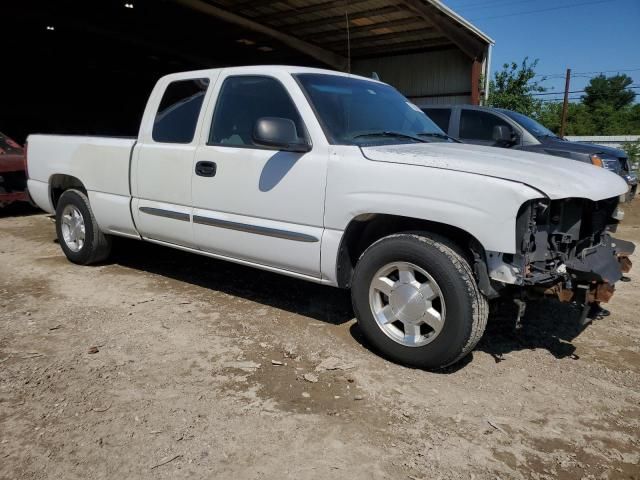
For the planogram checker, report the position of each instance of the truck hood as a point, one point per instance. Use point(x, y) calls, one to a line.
point(581, 151)
point(554, 176)
point(560, 144)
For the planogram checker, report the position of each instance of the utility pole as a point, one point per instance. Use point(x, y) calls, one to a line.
point(565, 104)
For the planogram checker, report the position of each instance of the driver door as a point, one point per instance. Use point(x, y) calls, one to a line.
point(253, 203)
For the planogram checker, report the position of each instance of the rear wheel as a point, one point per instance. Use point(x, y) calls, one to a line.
point(81, 239)
point(417, 301)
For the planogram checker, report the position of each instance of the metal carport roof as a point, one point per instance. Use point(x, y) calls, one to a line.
point(337, 31)
point(87, 67)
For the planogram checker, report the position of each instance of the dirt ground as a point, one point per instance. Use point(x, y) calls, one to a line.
point(206, 369)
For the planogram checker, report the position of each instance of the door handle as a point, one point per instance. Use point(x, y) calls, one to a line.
point(206, 169)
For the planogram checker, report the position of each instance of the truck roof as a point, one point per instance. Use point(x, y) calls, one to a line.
point(464, 105)
point(262, 70)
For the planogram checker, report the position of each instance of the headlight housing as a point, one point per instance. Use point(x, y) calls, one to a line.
point(609, 163)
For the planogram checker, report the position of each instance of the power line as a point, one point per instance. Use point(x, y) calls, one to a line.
point(561, 75)
point(474, 3)
point(610, 71)
point(559, 99)
point(492, 4)
point(577, 91)
point(545, 9)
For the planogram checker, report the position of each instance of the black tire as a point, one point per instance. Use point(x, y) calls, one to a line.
point(466, 308)
point(97, 245)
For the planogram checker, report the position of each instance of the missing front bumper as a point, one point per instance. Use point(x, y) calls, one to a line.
point(592, 276)
point(604, 263)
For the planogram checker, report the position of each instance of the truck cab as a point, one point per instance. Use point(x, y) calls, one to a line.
point(198, 162)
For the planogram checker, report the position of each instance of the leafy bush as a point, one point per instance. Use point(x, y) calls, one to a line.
point(633, 151)
point(514, 87)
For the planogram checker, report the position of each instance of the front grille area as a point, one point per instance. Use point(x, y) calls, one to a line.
point(567, 245)
point(575, 223)
point(553, 233)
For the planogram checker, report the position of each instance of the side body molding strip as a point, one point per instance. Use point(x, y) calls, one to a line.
point(159, 212)
point(243, 227)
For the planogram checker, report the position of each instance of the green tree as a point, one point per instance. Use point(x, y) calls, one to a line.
point(549, 115)
point(607, 108)
point(610, 91)
point(633, 151)
point(579, 119)
point(514, 87)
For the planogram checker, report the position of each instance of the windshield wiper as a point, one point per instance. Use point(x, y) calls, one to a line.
point(390, 134)
point(439, 135)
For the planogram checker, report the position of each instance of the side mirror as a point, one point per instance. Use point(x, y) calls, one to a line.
point(279, 134)
point(504, 135)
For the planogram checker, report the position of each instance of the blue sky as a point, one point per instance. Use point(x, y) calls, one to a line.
point(586, 36)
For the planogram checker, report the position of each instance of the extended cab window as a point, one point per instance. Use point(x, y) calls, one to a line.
point(245, 99)
point(179, 109)
point(440, 116)
point(478, 125)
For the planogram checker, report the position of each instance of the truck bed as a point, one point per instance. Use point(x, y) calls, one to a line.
point(101, 165)
point(101, 162)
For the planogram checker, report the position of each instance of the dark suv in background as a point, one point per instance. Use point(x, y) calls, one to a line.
point(497, 127)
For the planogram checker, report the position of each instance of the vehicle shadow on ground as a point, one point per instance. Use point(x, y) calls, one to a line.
point(311, 300)
point(19, 209)
point(547, 324)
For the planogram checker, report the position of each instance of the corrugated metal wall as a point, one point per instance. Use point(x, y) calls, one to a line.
point(447, 100)
point(437, 77)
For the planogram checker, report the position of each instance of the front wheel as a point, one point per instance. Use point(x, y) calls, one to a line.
point(417, 301)
point(81, 239)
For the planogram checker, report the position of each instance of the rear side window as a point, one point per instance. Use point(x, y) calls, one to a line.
point(245, 99)
point(478, 125)
point(440, 116)
point(179, 109)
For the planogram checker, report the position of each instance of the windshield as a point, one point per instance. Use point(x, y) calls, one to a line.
point(534, 128)
point(354, 111)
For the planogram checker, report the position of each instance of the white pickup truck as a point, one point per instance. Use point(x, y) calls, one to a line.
point(340, 180)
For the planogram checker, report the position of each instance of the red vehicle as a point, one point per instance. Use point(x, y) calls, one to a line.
point(13, 178)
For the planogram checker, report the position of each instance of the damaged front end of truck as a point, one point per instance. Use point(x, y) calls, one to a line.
point(565, 250)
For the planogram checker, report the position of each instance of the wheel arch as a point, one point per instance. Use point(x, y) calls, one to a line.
point(365, 229)
point(59, 183)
